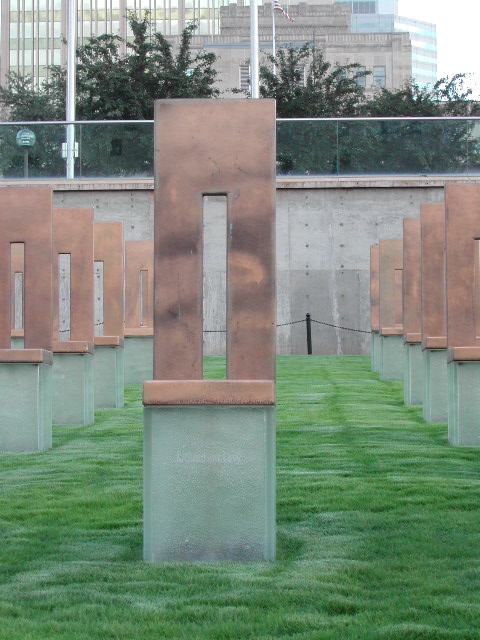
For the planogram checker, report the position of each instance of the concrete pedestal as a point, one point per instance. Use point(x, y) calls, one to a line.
point(73, 388)
point(464, 403)
point(25, 407)
point(109, 377)
point(376, 351)
point(412, 374)
point(391, 360)
point(435, 388)
point(138, 358)
point(209, 483)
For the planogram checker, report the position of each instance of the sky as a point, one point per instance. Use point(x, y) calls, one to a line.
point(458, 34)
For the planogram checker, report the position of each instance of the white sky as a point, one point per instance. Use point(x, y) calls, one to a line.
point(458, 34)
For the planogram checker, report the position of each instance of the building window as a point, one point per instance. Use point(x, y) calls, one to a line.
point(244, 77)
point(379, 76)
point(363, 8)
point(360, 76)
point(302, 73)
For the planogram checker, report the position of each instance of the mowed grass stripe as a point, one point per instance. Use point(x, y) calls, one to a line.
point(378, 527)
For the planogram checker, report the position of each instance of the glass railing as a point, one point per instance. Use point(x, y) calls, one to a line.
point(378, 146)
point(305, 147)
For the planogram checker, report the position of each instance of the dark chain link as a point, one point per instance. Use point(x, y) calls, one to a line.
point(283, 324)
point(336, 326)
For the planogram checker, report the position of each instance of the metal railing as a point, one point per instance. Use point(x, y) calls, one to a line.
point(319, 147)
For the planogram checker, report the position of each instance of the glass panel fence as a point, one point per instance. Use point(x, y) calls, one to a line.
point(316, 147)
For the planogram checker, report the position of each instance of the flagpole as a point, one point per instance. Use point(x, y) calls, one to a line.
point(273, 38)
point(254, 49)
point(70, 106)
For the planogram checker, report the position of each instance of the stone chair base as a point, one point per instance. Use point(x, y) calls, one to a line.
point(26, 401)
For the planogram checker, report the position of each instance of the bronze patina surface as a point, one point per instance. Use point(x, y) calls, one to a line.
point(465, 354)
point(214, 147)
point(26, 217)
point(390, 289)
point(462, 204)
point(138, 260)
point(435, 343)
point(73, 234)
point(209, 392)
point(108, 341)
point(26, 356)
point(108, 248)
point(412, 283)
point(17, 266)
point(139, 332)
point(374, 288)
point(434, 334)
point(74, 346)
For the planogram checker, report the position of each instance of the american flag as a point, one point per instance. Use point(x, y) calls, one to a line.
point(278, 7)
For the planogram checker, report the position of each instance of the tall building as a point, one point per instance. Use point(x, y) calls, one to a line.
point(33, 31)
point(381, 16)
point(33, 34)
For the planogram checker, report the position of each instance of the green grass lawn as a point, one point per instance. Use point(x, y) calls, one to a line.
point(378, 527)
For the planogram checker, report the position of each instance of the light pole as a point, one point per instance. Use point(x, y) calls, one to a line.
point(70, 110)
point(254, 86)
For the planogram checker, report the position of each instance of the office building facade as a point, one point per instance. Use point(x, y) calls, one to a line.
point(381, 16)
point(34, 33)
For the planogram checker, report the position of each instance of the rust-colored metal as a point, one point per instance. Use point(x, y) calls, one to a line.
point(392, 331)
point(26, 217)
point(390, 289)
point(462, 203)
point(207, 392)
point(73, 234)
point(139, 332)
point(108, 248)
point(412, 280)
point(434, 343)
point(138, 286)
point(374, 288)
point(73, 346)
point(27, 356)
point(465, 354)
point(16, 266)
point(192, 159)
point(108, 341)
point(433, 276)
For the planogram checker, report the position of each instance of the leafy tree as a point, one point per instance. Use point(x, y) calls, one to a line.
point(321, 91)
point(327, 92)
point(417, 146)
point(112, 86)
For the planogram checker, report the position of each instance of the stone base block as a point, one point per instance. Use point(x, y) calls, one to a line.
point(17, 343)
point(25, 407)
point(375, 351)
point(138, 359)
point(73, 388)
point(412, 375)
point(209, 483)
point(435, 388)
point(464, 403)
point(391, 358)
point(109, 376)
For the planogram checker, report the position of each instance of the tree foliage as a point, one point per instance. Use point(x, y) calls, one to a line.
point(323, 92)
point(323, 147)
point(110, 86)
point(447, 97)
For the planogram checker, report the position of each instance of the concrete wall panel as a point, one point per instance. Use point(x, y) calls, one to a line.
point(324, 233)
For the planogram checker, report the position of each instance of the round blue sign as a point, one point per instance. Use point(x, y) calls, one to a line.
point(26, 138)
